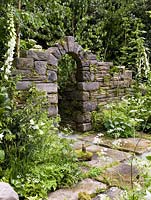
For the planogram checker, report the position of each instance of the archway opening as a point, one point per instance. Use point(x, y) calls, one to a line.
point(67, 91)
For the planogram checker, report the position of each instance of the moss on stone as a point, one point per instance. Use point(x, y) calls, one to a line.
point(84, 156)
point(84, 196)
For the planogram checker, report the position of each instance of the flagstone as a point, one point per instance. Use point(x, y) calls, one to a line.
point(113, 193)
point(119, 175)
point(89, 186)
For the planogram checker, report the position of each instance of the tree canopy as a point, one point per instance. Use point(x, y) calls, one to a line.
point(115, 30)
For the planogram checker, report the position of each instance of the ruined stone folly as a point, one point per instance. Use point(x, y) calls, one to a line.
point(95, 82)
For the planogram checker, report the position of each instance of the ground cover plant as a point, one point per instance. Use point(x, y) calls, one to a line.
point(125, 117)
point(35, 159)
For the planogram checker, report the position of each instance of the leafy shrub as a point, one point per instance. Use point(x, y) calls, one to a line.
point(114, 121)
point(36, 159)
point(122, 119)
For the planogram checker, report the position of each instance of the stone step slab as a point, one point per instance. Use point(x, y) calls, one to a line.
point(106, 156)
point(114, 193)
point(119, 175)
point(88, 185)
point(135, 145)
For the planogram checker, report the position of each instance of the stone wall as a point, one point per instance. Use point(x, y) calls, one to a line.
point(95, 83)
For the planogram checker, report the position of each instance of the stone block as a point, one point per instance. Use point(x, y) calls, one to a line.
point(47, 87)
point(84, 76)
point(52, 60)
point(54, 51)
point(23, 85)
point(37, 55)
point(77, 48)
point(101, 96)
point(61, 49)
point(40, 67)
point(53, 110)
point(105, 63)
point(82, 55)
point(100, 80)
point(85, 64)
point(65, 46)
point(128, 74)
point(70, 43)
point(22, 72)
point(84, 127)
point(103, 67)
point(52, 76)
point(88, 86)
point(102, 101)
point(88, 185)
point(91, 56)
point(52, 98)
point(89, 106)
point(82, 117)
point(76, 95)
point(40, 78)
point(93, 62)
point(7, 192)
point(24, 63)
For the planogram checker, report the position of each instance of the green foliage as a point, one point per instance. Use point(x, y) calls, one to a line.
point(36, 159)
point(115, 30)
point(114, 120)
point(122, 119)
point(66, 72)
point(84, 196)
point(94, 172)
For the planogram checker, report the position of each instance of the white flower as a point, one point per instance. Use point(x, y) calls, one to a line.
point(148, 195)
point(36, 127)
point(42, 123)
point(41, 132)
point(1, 136)
point(32, 122)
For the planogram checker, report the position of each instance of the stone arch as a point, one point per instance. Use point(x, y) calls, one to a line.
point(95, 83)
point(82, 115)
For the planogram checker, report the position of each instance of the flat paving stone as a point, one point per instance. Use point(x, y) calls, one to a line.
point(113, 193)
point(114, 154)
point(89, 186)
point(119, 175)
point(125, 144)
point(104, 157)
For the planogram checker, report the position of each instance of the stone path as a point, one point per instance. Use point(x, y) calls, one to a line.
point(113, 158)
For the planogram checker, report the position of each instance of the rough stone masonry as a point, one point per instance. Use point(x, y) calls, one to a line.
point(95, 84)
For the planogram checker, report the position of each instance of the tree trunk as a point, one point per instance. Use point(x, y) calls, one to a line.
point(18, 32)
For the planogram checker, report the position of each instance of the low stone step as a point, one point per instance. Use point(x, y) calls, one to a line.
point(119, 175)
point(114, 193)
point(136, 145)
point(89, 186)
point(104, 157)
